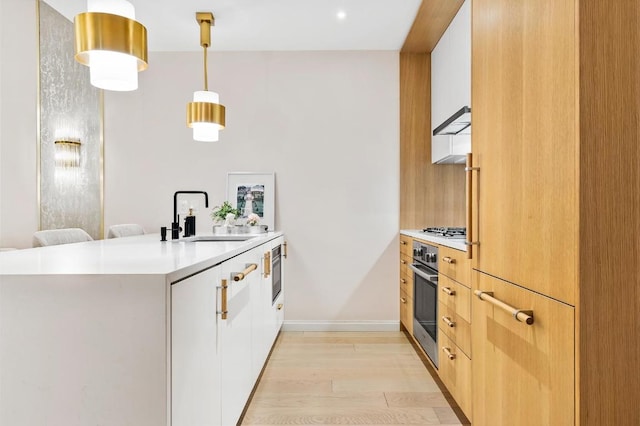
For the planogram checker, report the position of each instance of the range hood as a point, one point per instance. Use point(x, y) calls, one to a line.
point(455, 124)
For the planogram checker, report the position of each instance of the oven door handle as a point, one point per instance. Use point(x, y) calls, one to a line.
point(431, 278)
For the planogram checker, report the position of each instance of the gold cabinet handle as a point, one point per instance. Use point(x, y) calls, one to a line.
point(403, 281)
point(448, 353)
point(404, 243)
point(223, 302)
point(241, 275)
point(469, 169)
point(449, 291)
point(280, 305)
point(403, 300)
point(286, 252)
point(448, 321)
point(404, 262)
point(267, 263)
point(522, 315)
point(448, 260)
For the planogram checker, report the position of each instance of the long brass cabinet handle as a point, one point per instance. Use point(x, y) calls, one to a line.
point(286, 251)
point(241, 275)
point(522, 315)
point(448, 353)
point(448, 291)
point(469, 169)
point(223, 300)
point(448, 321)
point(448, 260)
point(267, 263)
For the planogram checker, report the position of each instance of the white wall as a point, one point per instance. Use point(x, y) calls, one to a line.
point(327, 123)
point(18, 135)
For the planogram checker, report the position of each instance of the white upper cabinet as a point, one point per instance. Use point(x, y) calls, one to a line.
point(451, 87)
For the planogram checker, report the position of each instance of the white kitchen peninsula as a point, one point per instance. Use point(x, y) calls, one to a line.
point(87, 335)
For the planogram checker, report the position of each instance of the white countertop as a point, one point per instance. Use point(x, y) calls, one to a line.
point(144, 254)
point(457, 244)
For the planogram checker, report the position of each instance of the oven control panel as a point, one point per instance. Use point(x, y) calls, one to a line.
point(425, 254)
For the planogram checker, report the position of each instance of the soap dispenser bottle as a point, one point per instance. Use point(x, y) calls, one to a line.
point(190, 224)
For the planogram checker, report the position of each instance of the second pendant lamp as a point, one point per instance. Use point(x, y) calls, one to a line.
point(205, 115)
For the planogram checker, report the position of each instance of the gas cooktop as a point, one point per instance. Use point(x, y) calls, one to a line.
point(447, 232)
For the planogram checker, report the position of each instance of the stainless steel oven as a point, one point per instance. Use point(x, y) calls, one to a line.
point(276, 272)
point(425, 298)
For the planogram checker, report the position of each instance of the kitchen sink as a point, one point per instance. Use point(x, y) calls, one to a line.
point(217, 238)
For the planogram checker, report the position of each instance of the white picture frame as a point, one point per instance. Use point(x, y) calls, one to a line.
point(238, 185)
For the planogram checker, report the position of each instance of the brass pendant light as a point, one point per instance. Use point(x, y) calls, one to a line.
point(112, 43)
point(205, 115)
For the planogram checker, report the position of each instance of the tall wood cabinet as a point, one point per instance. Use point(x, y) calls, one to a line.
point(554, 209)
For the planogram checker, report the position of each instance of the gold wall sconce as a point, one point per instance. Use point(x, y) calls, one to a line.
point(205, 115)
point(67, 154)
point(112, 43)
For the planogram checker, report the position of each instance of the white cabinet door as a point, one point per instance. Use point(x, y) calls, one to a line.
point(235, 337)
point(195, 362)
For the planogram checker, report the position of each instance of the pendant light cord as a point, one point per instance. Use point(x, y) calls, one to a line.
point(206, 79)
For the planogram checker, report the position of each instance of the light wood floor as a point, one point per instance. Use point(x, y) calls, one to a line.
point(345, 378)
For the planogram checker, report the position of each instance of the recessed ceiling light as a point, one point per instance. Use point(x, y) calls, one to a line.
point(341, 15)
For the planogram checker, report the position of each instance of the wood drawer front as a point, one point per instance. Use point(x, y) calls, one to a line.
point(522, 374)
point(460, 330)
point(406, 245)
point(455, 265)
point(455, 296)
point(405, 261)
point(456, 374)
point(406, 285)
point(406, 311)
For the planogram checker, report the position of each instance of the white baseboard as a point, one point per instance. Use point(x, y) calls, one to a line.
point(303, 325)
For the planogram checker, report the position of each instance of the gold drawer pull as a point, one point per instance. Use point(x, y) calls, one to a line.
point(448, 321)
point(448, 260)
point(403, 300)
point(404, 262)
point(223, 300)
point(240, 275)
point(525, 316)
point(448, 353)
point(449, 291)
point(280, 305)
point(403, 281)
point(404, 243)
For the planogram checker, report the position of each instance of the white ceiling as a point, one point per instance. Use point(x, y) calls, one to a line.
point(271, 24)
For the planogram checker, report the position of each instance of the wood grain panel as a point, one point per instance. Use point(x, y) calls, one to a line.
point(524, 92)
point(432, 19)
point(456, 374)
point(522, 375)
point(609, 311)
point(430, 195)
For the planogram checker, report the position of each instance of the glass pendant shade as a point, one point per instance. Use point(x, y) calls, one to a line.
point(112, 44)
point(205, 131)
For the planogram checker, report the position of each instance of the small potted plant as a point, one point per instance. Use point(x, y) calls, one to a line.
point(253, 222)
point(223, 218)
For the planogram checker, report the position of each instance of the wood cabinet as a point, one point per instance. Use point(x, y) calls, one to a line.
point(554, 208)
point(455, 372)
point(522, 374)
point(406, 283)
point(454, 325)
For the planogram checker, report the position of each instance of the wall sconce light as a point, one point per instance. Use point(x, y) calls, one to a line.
point(112, 43)
point(67, 154)
point(205, 115)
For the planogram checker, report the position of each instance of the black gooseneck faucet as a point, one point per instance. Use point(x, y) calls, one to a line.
point(175, 226)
